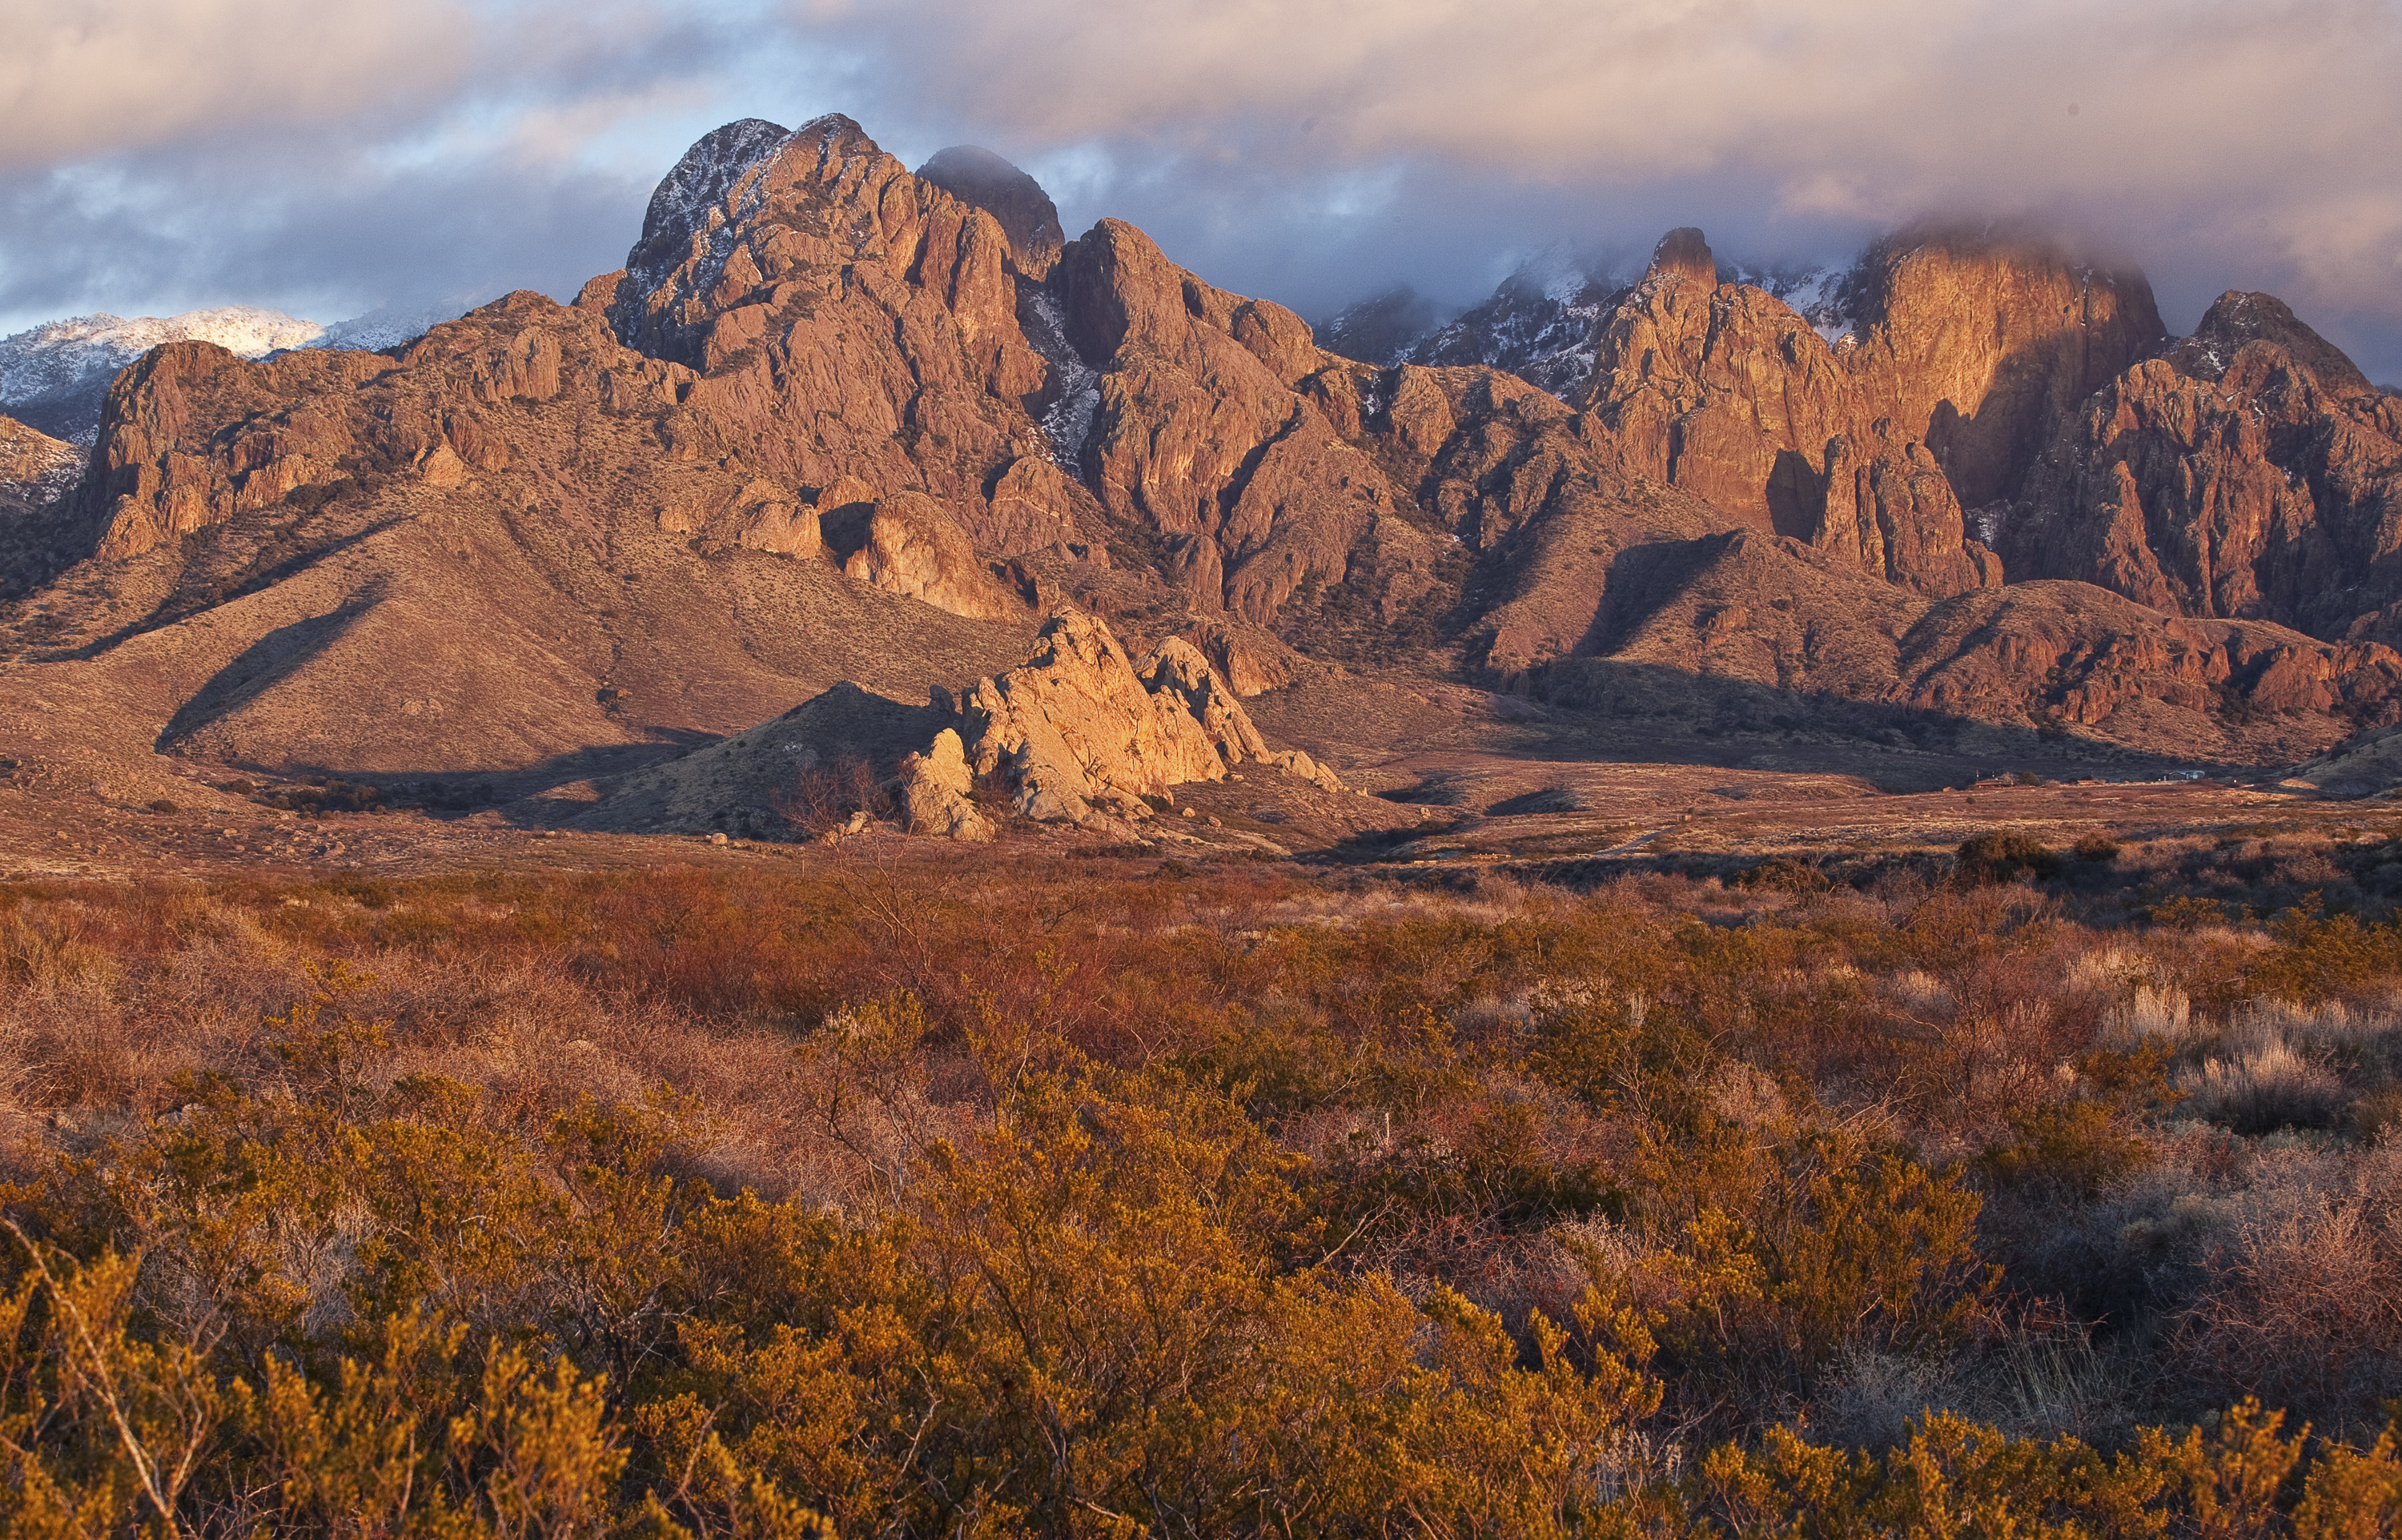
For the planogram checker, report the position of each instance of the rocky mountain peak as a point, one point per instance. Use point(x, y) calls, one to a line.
point(2236, 318)
point(1684, 253)
point(686, 204)
point(978, 177)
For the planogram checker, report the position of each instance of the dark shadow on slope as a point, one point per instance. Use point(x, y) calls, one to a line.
point(270, 659)
point(1647, 713)
point(207, 582)
point(839, 726)
point(1644, 579)
point(1797, 496)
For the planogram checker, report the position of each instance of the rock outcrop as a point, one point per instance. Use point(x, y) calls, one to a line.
point(1890, 508)
point(913, 549)
point(1076, 731)
point(1249, 659)
point(934, 789)
point(1179, 672)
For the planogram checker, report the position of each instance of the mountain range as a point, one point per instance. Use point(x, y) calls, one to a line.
point(837, 421)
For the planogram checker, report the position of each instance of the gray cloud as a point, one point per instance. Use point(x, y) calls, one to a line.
point(83, 78)
point(2219, 144)
point(334, 155)
point(327, 155)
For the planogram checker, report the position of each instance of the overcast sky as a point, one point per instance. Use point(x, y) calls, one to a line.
point(325, 156)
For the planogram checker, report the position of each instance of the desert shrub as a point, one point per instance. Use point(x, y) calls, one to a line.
point(2262, 1087)
point(1783, 874)
point(1763, 1262)
point(2319, 956)
point(2246, 1476)
point(2185, 912)
point(363, 1298)
point(2377, 1116)
point(322, 795)
point(1999, 855)
point(824, 797)
point(2304, 1307)
point(1251, 1201)
point(2096, 849)
point(2163, 1014)
point(2074, 1147)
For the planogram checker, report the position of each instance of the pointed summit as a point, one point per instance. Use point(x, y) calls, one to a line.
point(1683, 251)
point(681, 203)
point(2237, 317)
point(976, 176)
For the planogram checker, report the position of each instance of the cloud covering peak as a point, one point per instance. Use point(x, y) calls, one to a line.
point(156, 152)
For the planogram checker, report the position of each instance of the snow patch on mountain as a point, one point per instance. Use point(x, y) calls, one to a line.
point(60, 353)
point(1815, 294)
point(391, 325)
point(1538, 325)
point(1069, 420)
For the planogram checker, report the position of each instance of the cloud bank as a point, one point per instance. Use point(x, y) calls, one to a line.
point(329, 154)
point(2220, 144)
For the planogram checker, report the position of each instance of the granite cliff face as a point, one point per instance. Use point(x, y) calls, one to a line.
point(1964, 359)
point(1204, 431)
point(2251, 472)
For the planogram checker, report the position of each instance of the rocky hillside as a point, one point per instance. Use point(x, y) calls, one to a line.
point(838, 419)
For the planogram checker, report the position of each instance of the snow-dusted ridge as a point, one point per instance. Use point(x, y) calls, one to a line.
point(53, 376)
point(58, 353)
point(1538, 323)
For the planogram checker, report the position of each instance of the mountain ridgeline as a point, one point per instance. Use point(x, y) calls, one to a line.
point(838, 419)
